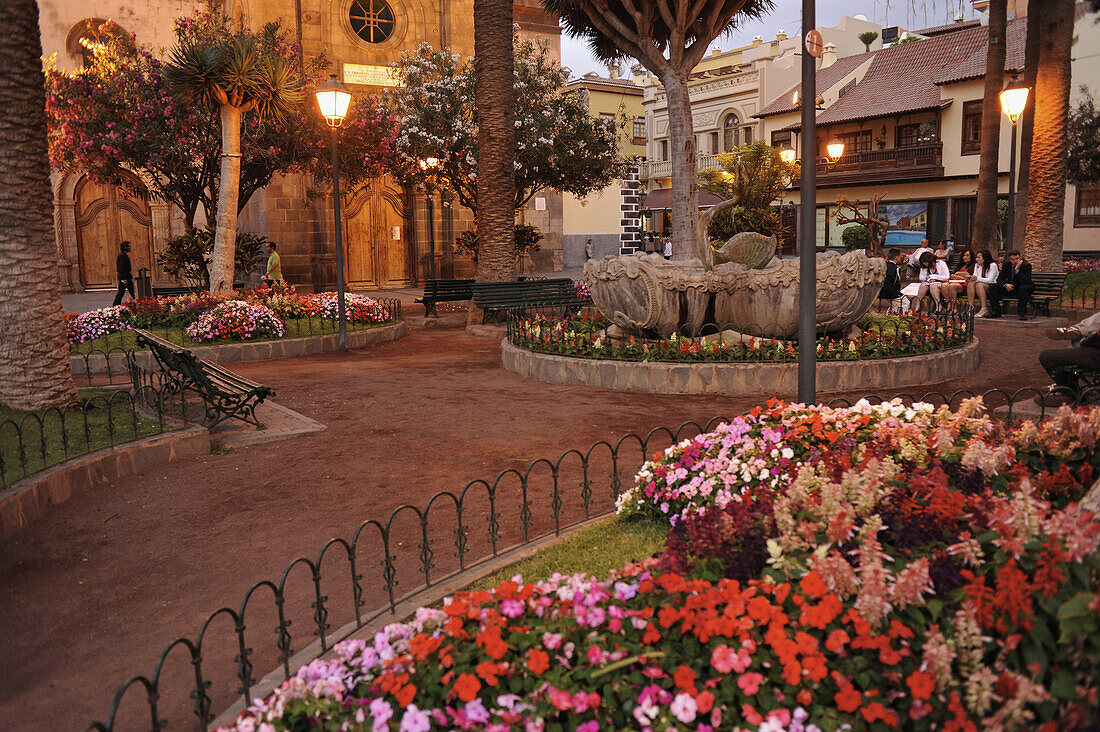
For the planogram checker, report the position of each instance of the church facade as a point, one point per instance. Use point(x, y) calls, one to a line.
point(388, 241)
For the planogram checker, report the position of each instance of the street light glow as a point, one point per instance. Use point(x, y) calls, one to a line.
point(835, 150)
point(1013, 101)
point(333, 98)
point(787, 155)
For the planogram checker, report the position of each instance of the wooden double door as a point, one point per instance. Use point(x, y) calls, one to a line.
point(375, 240)
point(107, 215)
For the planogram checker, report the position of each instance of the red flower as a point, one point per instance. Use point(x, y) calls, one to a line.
point(847, 699)
point(538, 660)
point(685, 679)
point(467, 687)
point(921, 685)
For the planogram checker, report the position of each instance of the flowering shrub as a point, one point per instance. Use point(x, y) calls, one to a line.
point(582, 290)
point(1078, 264)
point(896, 336)
point(236, 320)
point(358, 308)
point(922, 570)
point(95, 323)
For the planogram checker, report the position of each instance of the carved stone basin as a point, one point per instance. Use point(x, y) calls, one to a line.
point(645, 294)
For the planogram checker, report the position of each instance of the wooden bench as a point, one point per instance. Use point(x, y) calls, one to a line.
point(444, 291)
point(175, 291)
point(224, 394)
point(560, 293)
point(1048, 288)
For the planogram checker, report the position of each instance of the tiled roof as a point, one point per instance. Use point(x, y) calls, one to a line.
point(903, 78)
point(826, 78)
point(620, 84)
point(948, 27)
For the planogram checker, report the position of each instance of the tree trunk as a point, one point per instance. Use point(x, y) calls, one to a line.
point(496, 176)
point(1047, 176)
point(35, 371)
point(225, 232)
point(685, 177)
point(1027, 123)
point(986, 220)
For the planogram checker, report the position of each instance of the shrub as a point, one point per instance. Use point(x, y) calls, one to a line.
point(236, 320)
point(357, 308)
point(855, 236)
point(527, 240)
point(149, 311)
point(88, 326)
point(187, 256)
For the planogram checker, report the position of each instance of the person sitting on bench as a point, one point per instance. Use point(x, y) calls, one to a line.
point(1084, 353)
point(1013, 281)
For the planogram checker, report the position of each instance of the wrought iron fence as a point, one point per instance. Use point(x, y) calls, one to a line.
point(1084, 296)
point(35, 441)
point(216, 667)
point(585, 334)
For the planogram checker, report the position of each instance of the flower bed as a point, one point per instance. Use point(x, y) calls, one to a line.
point(249, 315)
point(876, 567)
point(585, 336)
point(1078, 264)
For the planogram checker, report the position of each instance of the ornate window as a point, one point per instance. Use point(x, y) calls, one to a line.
point(372, 20)
point(972, 128)
point(731, 136)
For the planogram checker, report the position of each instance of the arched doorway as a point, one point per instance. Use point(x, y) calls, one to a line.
point(106, 215)
point(375, 237)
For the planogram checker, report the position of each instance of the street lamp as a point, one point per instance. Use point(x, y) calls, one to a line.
point(427, 165)
point(334, 98)
point(787, 155)
point(835, 149)
point(1013, 102)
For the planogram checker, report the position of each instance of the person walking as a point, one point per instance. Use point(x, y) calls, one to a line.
point(124, 268)
point(274, 266)
point(588, 250)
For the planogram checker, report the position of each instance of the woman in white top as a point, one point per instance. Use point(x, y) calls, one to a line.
point(983, 277)
point(933, 276)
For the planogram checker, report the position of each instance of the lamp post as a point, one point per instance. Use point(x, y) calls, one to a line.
point(333, 98)
point(807, 244)
point(427, 165)
point(1013, 101)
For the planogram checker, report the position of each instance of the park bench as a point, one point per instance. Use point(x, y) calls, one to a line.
point(558, 293)
point(175, 291)
point(224, 394)
point(1087, 380)
point(444, 291)
point(954, 260)
point(1048, 288)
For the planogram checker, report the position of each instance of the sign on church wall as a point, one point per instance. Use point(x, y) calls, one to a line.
point(369, 75)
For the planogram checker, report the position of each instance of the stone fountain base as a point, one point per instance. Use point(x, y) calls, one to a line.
point(645, 294)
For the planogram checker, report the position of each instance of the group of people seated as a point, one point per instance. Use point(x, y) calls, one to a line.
point(934, 285)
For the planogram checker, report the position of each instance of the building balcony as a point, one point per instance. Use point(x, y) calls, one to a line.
point(652, 169)
point(876, 166)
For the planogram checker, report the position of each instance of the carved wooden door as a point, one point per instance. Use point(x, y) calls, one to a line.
point(107, 215)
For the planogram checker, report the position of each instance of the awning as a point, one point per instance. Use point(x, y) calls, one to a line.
point(661, 199)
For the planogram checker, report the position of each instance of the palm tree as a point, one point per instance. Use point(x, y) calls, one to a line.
point(668, 37)
point(238, 77)
point(35, 371)
point(867, 38)
point(986, 221)
point(1047, 174)
point(1027, 123)
point(496, 178)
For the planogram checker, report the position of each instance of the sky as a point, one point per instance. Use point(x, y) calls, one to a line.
point(909, 14)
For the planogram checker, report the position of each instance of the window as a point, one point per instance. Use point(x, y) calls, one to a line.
point(639, 128)
point(846, 88)
point(907, 135)
point(855, 142)
point(664, 149)
point(714, 143)
point(782, 140)
point(372, 20)
point(972, 128)
point(87, 33)
point(1087, 212)
point(730, 133)
point(607, 117)
point(746, 136)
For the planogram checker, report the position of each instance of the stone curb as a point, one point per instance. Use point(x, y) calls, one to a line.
point(27, 500)
point(740, 378)
point(258, 351)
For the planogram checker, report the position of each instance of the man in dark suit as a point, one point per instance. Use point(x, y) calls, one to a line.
point(125, 273)
point(1013, 281)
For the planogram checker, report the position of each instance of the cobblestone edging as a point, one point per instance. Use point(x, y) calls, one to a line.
point(741, 378)
point(28, 500)
point(258, 351)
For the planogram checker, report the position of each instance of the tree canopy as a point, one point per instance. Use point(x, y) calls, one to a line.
point(1084, 140)
point(558, 143)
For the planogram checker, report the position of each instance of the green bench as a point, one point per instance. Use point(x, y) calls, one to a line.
point(1048, 288)
point(559, 293)
point(175, 291)
point(224, 394)
point(444, 291)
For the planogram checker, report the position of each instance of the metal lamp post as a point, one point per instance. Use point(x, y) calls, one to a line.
point(427, 165)
point(334, 98)
point(1013, 102)
point(807, 244)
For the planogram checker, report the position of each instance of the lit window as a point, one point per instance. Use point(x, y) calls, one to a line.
point(372, 20)
point(1088, 205)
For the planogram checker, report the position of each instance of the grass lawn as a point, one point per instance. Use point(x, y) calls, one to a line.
point(295, 328)
point(1082, 288)
point(596, 550)
point(51, 437)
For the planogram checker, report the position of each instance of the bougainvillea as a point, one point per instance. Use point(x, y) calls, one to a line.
point(236, 320)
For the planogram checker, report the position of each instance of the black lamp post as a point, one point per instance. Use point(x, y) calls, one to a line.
point(428, 165)
point(807, 243)
point(334, 98)
point(1013, 102)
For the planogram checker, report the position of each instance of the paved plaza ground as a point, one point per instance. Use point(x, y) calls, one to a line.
point(92, 592)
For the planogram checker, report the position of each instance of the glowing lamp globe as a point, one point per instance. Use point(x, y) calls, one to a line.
point(1013, 101)
point(333, 98)
point(835, 150)
point(787, 155)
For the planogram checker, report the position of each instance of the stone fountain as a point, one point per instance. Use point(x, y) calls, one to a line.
point(746, 288)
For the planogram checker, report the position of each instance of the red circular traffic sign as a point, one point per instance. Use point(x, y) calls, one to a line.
point(814, 43)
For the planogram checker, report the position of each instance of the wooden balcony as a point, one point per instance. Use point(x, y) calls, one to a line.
point(876, 166)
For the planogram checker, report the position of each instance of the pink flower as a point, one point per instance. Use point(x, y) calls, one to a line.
point(750, 682)
point(595, 655)
point(683, 707)
point(725, 659)
point(511, 608)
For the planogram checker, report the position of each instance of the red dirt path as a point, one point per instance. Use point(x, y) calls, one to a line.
point(93, 592)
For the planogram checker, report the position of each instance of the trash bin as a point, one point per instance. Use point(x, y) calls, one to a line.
point(144, 283)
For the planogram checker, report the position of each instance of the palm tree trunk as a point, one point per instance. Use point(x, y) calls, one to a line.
point(1027, 124)
point(35, 371)
point(986, 221)
point(1047, 175)
point(225, 233)
point(685, 177)
point(496, 176)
